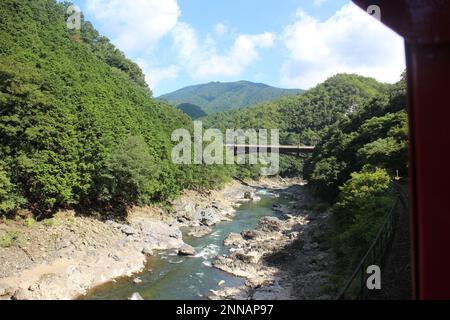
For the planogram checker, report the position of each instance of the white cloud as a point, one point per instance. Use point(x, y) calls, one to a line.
point(318, 3)
point(138, 24)
point(350, 41)
point(154, 75)
point(220, 29)
point(203, 60)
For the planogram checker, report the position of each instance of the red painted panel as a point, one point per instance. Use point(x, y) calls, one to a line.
point(425, 25)
point(429, 74)
point(418, 21)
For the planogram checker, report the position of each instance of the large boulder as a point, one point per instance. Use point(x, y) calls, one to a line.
point(128, 230)
point(209, 216)
point(186, 250)
point(233, 239)
point(270, 224)
point(199, 231)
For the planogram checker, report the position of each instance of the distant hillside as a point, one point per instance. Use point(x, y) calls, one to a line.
point(301, 117)
point(192, 110)
point(216, 97)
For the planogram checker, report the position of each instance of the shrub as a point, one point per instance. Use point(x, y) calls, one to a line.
point(29, 222)
point(10, 238)
point(9, 199)
point(362, 205)
point(131, 174)
point(48, 222)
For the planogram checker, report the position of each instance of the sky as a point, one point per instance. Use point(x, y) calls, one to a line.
point(283, 43)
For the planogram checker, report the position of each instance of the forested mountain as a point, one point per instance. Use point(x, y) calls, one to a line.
point(78, 125)
point(352, 167)
point(216, 97)
point(359, 127)
point(300, 118)
point(192, 110)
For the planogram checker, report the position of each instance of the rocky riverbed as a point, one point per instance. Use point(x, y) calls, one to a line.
point(284, 257)
point(72, 254)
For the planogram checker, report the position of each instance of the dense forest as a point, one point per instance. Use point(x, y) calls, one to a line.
point(192, 110)
point(78, 124)
point(216, 97)
point(302, 118)
point(359, 128)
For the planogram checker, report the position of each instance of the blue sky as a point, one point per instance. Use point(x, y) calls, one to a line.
point(284, 43)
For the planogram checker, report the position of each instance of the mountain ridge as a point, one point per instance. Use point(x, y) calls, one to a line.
point(215, 96)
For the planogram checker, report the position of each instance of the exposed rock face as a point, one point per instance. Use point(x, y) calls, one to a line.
point(65, 260)
point(199, 231)
point(207, 209)
point(5, 290)
point(147, 250)
point(281, 258)
point(186, 250)
point(233, 239)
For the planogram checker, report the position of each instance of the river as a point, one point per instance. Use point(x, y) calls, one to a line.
point(168, 276)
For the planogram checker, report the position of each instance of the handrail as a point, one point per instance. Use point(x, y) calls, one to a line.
point(377, 250)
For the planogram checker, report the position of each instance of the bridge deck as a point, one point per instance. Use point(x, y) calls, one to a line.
point(282, 149)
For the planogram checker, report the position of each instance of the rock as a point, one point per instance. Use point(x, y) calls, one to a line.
point(270, 224)
point(114, 257)
point(159, 235)
point(128, 230)
point(186, 250)
point(233, 239)
point(62, 243)
point(147, 250)
point(34, 287)
point(199, 231)
point(280, 208)
point(137, 281)
point(6, 290)
point(136, 296)
point(20, 294)
point(251, 234)
point(209, 217)
point(248, 195)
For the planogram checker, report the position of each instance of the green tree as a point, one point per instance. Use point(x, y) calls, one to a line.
point(9, 199)
point(362, 206)
point(130, 174)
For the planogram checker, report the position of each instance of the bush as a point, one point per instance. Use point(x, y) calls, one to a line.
point(10, 238)
point(9, 199)
point(48, 222)
point(131, 174)
point(29, 222)
point(362, 206)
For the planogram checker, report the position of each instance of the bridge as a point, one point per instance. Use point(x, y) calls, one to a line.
point(281, 149)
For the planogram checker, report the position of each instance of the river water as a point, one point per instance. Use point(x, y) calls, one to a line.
point(171, 277)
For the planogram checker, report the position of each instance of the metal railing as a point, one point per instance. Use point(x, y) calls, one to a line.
point(355, 287)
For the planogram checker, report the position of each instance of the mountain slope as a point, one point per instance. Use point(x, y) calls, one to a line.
point(301, 117)
point(78, 125)
point(216, 97)
point(192, 110)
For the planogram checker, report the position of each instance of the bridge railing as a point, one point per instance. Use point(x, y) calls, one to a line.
point(356, 287)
